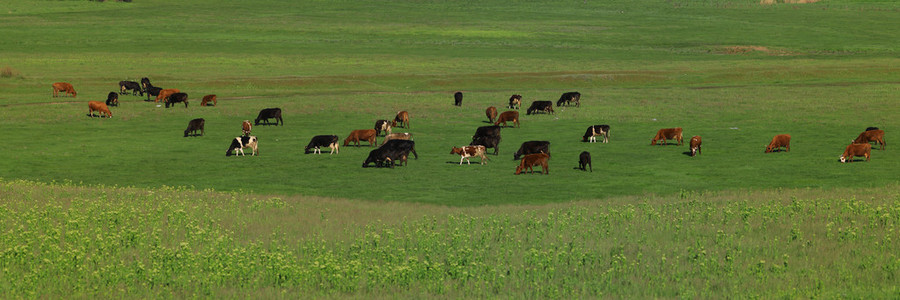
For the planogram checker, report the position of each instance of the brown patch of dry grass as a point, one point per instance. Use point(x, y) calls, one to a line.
point(745, 49)
point(9, 72)
point(770, 2)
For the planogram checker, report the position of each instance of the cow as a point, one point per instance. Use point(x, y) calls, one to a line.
point(487, 142)
point(269, 113)
point(361, 135)
point(194, 125)
point(112, 99)
point(100, 108)
point(667, 133)
point(507, 116)
point(246, 127)
point(153, 91)
point(457, 98)
point(856, 150)
point(330, 141)
point(382, 126)
point(568, 98)
point(63, 87)
point(584, 161)
point(515, 102)
point(207, 99)
point(402, 119)
point(532, 147)
point(487, 131)
point(163, 94)
point(469, 151)
point(876, 135)
point(540, 106)
point(781, 140)
point(871, 128)
point(391, 152)
point(175, 98)
point(695, 145)
point(397, 136)
point(145, 84)
point(531, 160)
point(491, 114)
point(135, 87)
point(593, 131)
point(239, 143)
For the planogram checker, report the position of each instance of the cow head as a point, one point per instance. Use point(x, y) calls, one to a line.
point(456, 150)
point(843, 159)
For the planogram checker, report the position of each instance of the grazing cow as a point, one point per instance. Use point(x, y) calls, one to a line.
point(112, 99)
point(397, 136)
point(269, 113)
point(361, 135)
point(393, 152)
point(781, 140)
point(382, 126)
point(515, 102)
point(540, 106)
point(153, 91)
point(194, 125)
point(207, 99)
point(491, 113)
point(239, 143)
point(402, 118)
point(100, 108)
point(507, 116)
point(695, 145)
point(130, 85)
point(63, 87)
point(667, 133)
point(854, 150)
point(145, 84)
point(584, 160)
point(593, 131)
point(175, 98)
point(568, 98)
point(487, 142)
point(330, 141)
point(457, 98)
point(246, 127)
point(532, 147)
point(868, 136)
point(531, 160)
point(871, 128)
point(469, 151)
point(163, 94)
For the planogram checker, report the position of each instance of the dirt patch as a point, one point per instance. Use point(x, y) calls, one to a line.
point(770, 2)
point(751, 50)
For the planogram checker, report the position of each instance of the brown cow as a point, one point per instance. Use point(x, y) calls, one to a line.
point(867, 136)
point(469, 151)
point(63, 87)
point(361, 134)
point(397, 136)
point(781, 140)
point(246, 127)
point(531, 160)
point(491, 113)
point(100, 107)
point(667, 133)
point(506, 116)
point(163, 94)
point(207, 99)
point(695, 145)
point(402, 118)
point(856, 150)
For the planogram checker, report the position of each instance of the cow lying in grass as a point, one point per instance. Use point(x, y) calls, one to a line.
point(239, 143)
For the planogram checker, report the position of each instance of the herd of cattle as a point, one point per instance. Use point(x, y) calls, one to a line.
point(396, 147)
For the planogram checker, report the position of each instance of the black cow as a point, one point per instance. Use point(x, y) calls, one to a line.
point(487, 131)
point(568, 98)
point(269, 113)
point(531, 147)
point(871, 128)
point(194, 125)
point(330, 141)
point(152, 91)
point(112, 99)
point(457, 99)
point(540, 106)
point(392, 151)
point(584, 159)
point(175, 98)
point(130, 85)
point(487, 142)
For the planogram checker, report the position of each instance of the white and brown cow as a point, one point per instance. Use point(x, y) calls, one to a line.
point(246, 127)
point(469, 151)
point(864, 150)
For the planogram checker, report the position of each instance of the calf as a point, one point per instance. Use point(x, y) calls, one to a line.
point(487, 142)
point(63, 87)
point(269, 113)
point(584, 160)
point(781, 140)
point(515, 102)
point(100, 108)
point(246, 127)
point(194, 125)
point(401, 120)
point(491, 113)
point(695, 145)
point(667, 133)
point(856, 150)
point(130, 85)
point(593, 131)
point(875, 135)
point(163, 94)
point(507, 116)
point(532, 147)
point(176, 98)
point(330, 141)
point(531, 160)
point(469, 151)
point(540, 106)
point(207, 99)
point(361, 135)
point(239, 143)
point(568, 98)
point(112, 99)
point(382, 126)
point(397, 136)
point(457, 98)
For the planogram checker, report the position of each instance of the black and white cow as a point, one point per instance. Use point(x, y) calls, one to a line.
point(593, 131)
point(532, 147)
point(319, 141)
point(382, 126)
point(239, 143)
